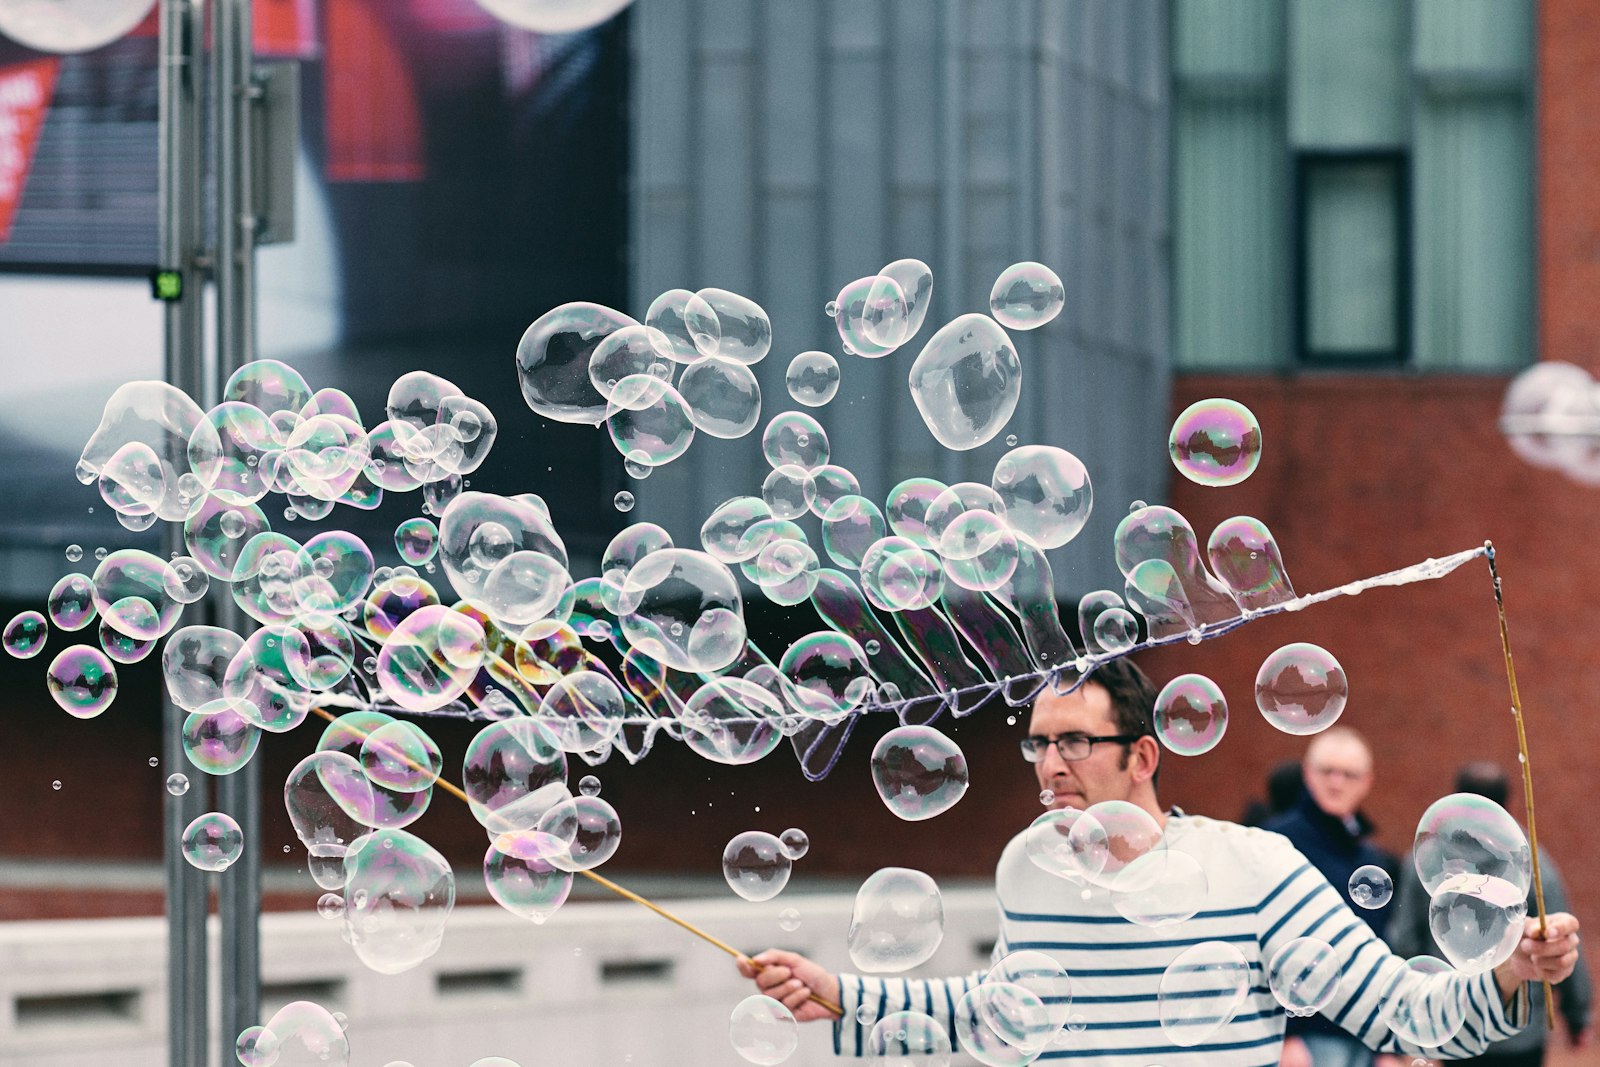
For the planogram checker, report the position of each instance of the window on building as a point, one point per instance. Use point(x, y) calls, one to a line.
point(1353, 183)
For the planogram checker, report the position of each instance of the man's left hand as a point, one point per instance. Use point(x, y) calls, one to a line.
point(1550, 958)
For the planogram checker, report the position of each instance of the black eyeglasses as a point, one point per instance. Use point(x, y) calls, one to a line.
point(1070, 747)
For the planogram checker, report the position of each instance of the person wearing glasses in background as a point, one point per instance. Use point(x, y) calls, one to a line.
point(1329, 828)
point(1096, 744)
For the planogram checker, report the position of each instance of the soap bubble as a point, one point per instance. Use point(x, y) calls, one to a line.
point(756, 865)
point(1191, 715)
point(849, 528)
point(629, 351)
point(1048, 843)
point(723, 533)
point(980, 552)
point(399, 755)
point(1423, 1003)
point(399, 893)
point(796, 843)
point(416, 539)
point(897, 575)
point(623, 501)
point(130, 593)
point(430, 658)
point(684, 327)
point(82, 680)
point(330, 906)
point(122, 648)
point(71, 603)
point(1215, 442)
point(177, 784)
point(723, 397)
point(870, 314)
point(734, 721)
point(813, 378)
point(1112, 835)
point(745, 332)
point(827, 675)
point(1245, 556)
point(966, 382)
point(1160, 888)
point(256, 1046)
point(683, 609)
point(1370, 886)
point(218, 738)
point(649, 421)
point(309, 1036)
point(1301, 689)
point(1201, 990)
point(897, 922)
point(24, 636)
point(1002, 1024)
point(1040, 974)
point(521, 874)
point(513, 775)
point(212, 842)
point(1026, 296)
point(553, 358)
point(582, 711)
point(762, 1030)
point(597, 834)
point(795, 438)
point(589, 786)
point(1477, 920)
point(919, 772)
point(1304, 975)
point(908, 1039)
point(1045, 492)
point(907, 509)
point(1464, 833)
point(789, 491)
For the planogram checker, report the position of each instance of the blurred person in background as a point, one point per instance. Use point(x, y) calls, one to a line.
point(1284, 786)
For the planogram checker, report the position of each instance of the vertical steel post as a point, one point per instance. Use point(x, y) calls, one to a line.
point(233, 100)
point(180, 175)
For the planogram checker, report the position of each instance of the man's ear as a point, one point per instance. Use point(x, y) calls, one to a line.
point(1146, 757)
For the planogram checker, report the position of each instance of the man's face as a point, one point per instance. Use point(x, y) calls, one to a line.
point(1100, 776)
point(1338, 773)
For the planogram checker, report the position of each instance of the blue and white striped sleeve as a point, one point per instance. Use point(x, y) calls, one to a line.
point(1300, 903)
point(866, 999)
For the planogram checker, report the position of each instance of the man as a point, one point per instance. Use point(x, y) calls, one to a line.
point(1409, 936)
point(1329, 828)
point(1095, 745)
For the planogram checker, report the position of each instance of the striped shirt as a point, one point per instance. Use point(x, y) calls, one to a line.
point(1262, 894)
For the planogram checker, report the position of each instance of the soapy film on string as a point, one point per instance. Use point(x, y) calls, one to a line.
point(941, 598)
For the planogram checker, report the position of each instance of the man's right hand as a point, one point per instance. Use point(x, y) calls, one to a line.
point(792, 979)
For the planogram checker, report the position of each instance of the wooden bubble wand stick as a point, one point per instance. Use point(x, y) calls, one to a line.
point(621, 891)
point(1527, 771)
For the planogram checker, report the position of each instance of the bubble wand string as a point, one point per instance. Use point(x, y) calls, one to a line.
point(1527, 771)
point(600, 880)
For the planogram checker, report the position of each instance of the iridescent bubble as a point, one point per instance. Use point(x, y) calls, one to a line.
point(813, 378)
point(399, 893)
point(833, 483)
point(1045, 492)
point(1026, 296)
point(827, 675)
point(236, 455)
point(1301, 689)
point(1304, 975)
point(393, 600)
point(849, 528)
point(915, 280)
point(24, 636)
point(256, 1046)
point(734, 721)
point(1112, 835)
point(521, 874)
point(788, 490)
point(966, 382)
point(1477, 920)
point(71, 602)
point(399, 755)
point(1370, 886)
point(1040, 974)
point(907, 1039)
point(793, 437)
point(525, 587)
point(122, 648)
point(130, 593)
point(597, 834)
point(430, 658)
point(1464, 833)
point(897, 575)
point(630, 350)
point(513, 775)
point(684, 327)
point(1201, 991)
point(744, 331)
point(878, 298)
point(1186, 590)
point(723, 397)
point(218, 738)
point(330, 906)
point(755, 865)
point(553, 361)
point(212, 842)
point(206, 537)
point(683, 609)
point(309, 1036)
point(980, 552)
point(796, 843)
point(1423, 1004)
point(762, 1030)
point(1191, 715)
point(1116, 630)
point(187, 581)
point(416, 539)
point(918, 771)
point(649, 420)
point(723, 532)
point(897, 922)
point(583, 711)
point(1215, 442)
point(1160, 888)
point(589, 786)
point(177, 784)
point(1244, 555)
point(82, 681)
point(138, 453)
point(1002, 1024)
point(907, 509)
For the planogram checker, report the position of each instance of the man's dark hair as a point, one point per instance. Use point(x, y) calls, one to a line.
point(1133, 699)
point(1485, 778)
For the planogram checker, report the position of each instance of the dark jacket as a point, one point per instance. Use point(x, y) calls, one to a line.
point(1336, 852)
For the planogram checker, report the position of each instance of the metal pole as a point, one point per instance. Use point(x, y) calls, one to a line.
point(180, 177)
point(233, 99)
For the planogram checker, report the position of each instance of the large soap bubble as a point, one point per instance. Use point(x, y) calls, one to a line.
point(1002, 1024)
point(919, 772)
point(1201, 990)
point(732, 720)
point(512, 775)
point(652, 424)
point(1304, 975)
point(813, 378)
point(1476, 920)
point(762, 1030)
point(1026, 296)
point(756, 865)
point(398, 895)
point(212, 842)
point(683, 608)
point(308, 1036)
point(1109, 837)
point(897, 922)
point(966, 382)
point(1466, 834)
point(1245, 557)
point(82, 680)
point(827, 675)
point(553, 355)
point(1046, 493)
point(745, 332)
point(1215, 442)
point(1048, 843)
point(1042, 975)
point(907, 1039)
point(1423, 1003)
point(1301, 689)
point(1191, 715)
point(723, 397)
point(520, 870)
point(582, 711)
point(24, 636)
point(159, 421)
point(130, 593)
